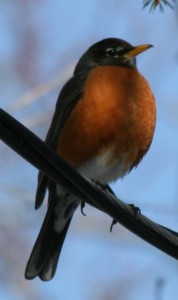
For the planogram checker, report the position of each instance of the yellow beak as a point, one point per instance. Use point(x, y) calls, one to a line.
point(137, 50)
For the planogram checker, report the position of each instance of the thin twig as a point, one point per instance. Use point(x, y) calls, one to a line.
point(157, 3)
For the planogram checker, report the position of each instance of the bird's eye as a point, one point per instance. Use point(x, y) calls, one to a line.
point(111, 52)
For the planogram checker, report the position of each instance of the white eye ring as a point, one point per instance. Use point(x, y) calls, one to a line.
point(111, 52)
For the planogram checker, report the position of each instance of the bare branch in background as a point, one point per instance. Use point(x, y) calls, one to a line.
point(40, 90)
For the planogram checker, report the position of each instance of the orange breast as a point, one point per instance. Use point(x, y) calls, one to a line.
point(117, 110)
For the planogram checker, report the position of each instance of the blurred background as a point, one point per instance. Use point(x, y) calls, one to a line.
point(40, 43)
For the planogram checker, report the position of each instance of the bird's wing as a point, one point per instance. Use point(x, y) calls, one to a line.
point(68, 97)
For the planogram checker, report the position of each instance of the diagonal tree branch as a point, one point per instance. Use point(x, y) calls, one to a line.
point(31, 148)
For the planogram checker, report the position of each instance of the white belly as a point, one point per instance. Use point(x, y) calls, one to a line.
point(100, 170)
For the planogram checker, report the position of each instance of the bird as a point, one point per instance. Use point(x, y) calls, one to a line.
point(103, 125)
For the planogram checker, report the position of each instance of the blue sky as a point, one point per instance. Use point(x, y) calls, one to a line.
point(42, 41)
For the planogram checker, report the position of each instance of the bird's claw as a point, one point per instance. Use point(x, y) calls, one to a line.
point(136, 210)
point(82, 207)
point(112, 224)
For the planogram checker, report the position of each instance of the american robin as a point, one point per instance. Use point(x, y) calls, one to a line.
point(103, 125)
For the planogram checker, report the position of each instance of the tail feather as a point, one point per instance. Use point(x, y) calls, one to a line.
point(50, 265)
point(45, 254)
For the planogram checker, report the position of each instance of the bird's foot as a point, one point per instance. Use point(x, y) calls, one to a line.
point(136, 210)
point(104, 187)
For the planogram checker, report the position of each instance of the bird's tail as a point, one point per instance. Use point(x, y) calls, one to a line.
point(45, 254)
